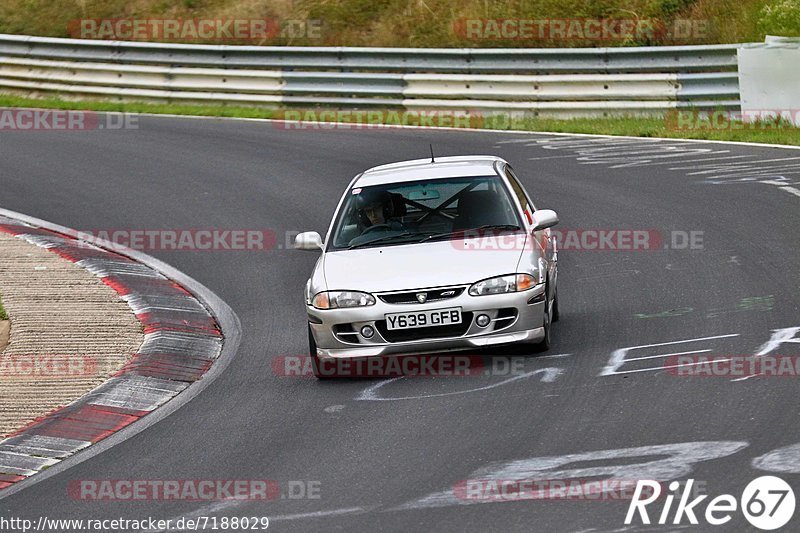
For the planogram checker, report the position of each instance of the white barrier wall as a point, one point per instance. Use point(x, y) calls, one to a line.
point(769, 79)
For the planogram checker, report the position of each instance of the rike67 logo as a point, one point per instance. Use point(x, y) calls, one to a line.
point(767, 503)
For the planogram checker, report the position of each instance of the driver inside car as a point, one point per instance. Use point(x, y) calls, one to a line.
point(378, 213)
point(379, 208)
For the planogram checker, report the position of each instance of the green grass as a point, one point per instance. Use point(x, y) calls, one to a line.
point(138, 107)
point(659, 127)
point(630, 126)
point(3, 314)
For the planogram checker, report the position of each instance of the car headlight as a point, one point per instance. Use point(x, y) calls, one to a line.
point(503, 284)
point(342, 299)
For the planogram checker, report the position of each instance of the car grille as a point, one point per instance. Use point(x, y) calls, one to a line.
point(432, 295)
point(416, 334)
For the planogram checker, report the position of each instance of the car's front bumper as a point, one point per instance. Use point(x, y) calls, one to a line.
point(524, 326)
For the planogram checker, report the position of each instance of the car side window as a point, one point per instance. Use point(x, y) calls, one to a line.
point(527, 206)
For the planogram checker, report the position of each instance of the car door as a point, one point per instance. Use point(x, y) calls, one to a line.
point(543, 240)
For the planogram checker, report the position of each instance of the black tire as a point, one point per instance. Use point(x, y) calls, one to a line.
point(315, 362)
point(544, 344)
point(556, 314)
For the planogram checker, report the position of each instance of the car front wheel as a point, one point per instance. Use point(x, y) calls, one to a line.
point(550, 316)
point(544, 344)
point(556, 315)
point(316, 364)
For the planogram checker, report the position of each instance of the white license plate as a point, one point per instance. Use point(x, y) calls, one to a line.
point(423, 319)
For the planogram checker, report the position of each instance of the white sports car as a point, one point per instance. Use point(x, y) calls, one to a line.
point(430, 256)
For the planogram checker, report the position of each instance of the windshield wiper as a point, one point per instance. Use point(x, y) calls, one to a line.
point(383, 239)
point(462, 232)
point(499, 227)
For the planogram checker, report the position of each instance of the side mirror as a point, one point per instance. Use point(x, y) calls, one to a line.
point(544, 218)
point(308, 240)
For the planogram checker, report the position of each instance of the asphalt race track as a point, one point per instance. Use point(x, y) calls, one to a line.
point(391, 465)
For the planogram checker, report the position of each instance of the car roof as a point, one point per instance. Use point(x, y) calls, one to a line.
point(417, 169)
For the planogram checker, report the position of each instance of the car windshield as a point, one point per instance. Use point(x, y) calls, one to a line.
point(399, 213)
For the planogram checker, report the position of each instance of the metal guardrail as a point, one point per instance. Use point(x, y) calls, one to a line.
point(562, 82)
point(463, 60)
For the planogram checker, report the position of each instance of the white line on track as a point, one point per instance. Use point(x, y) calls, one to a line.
point(207, 510)
point(702, 160)
point(664, 355)
point(318, 514)
point(618, 358)
point(668, 367)
point(747, 377)
point(227, 504)
point(707, 162)
point(791, 190)
point(370, 393)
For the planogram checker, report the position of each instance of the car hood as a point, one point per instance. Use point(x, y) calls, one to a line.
point(413, 266)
